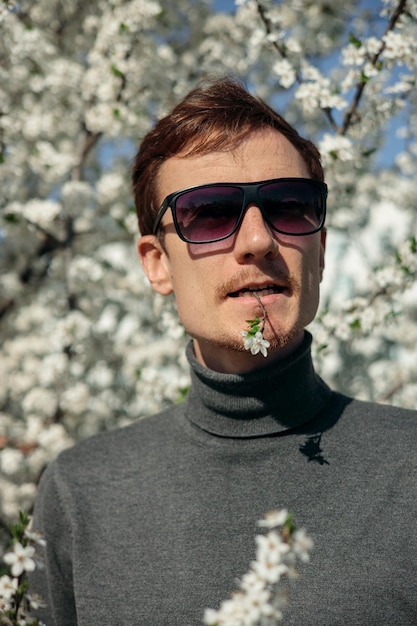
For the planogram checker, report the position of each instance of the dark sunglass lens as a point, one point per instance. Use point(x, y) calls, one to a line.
point(209, 213)
point(293, 208)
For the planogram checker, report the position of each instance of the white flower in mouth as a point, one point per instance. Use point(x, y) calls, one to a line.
point(255, 343)
point(253, 337)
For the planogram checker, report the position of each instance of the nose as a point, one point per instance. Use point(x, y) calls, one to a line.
point(255, 238)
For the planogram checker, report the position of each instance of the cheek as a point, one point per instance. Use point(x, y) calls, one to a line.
point(309, 272)
point(191, 290)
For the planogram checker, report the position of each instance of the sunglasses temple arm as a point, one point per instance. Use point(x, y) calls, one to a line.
point(161, 212)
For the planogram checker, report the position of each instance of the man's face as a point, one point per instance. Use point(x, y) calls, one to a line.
point(213, 282)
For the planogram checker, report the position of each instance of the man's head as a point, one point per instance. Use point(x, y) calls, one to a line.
point(213, 117)
point(221, 134)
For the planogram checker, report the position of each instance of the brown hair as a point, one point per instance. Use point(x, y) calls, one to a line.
point(213, 116)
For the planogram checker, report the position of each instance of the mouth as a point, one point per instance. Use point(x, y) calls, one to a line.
point(260, 291)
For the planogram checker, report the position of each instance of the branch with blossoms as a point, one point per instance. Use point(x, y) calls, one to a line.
point(374, 314)
point(359, 315)
point(262, 596)
point(373, 60)
point(371, 57)
point(16, 601)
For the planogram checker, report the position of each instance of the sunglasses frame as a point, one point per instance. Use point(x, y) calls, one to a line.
point(250, 195)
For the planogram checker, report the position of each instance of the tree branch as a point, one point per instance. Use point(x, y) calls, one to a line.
point(349, 115)
point(90, 140)
point(283, 53)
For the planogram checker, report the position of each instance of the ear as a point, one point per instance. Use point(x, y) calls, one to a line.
point(155, 263)
point(323, 235)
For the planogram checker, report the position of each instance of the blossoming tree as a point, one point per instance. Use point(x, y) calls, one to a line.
point(85, 346)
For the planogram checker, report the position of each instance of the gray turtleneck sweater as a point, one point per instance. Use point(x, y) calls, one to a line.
point(150, 524)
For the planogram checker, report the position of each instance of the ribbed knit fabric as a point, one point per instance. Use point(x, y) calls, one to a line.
point(150, 524)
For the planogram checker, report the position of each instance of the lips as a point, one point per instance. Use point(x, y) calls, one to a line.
point(260, 290)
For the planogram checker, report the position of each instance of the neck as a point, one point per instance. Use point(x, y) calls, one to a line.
point(269, 400)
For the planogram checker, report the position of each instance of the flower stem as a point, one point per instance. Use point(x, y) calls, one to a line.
point(263, 311)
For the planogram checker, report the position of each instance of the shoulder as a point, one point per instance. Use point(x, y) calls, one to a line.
point(370, 426)
point(117, 451)
point(383, 416)
point(366, 443)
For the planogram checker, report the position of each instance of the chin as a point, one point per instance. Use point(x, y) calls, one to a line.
point(278, 340)
point(281, 339)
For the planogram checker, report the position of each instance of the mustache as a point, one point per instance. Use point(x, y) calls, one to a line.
point(247, 277)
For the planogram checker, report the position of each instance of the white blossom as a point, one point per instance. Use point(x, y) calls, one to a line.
point(285, 71)
point(353, 55)
point(83, 268)
point(41, 212)
point(76, 196)
point(8, 587)
point(373, 45)
point(40, 401)
point(398, 46)
point(75, 399)
point(109, 187)
point(303, 544)
point(339, 147)
point(20, 559)
point(272, 519)
point(10, 461)
point(255, 343)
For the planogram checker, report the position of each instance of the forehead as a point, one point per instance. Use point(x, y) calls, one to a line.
point(262, 155)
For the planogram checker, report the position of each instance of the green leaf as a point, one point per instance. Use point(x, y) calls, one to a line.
point(256, 320)
point(289, 525)
point(355, 41)
point(182, 394)
point(369, 152)
point(24, 518)
point(116, 72)
point(11, 218)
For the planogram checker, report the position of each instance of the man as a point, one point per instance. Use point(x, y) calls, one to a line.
point(151, 524)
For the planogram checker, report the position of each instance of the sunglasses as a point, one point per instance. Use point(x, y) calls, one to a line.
point(209, 213)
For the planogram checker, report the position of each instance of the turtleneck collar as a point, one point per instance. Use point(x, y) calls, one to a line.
point(270, 400)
